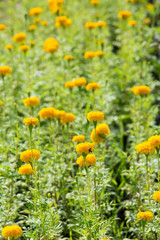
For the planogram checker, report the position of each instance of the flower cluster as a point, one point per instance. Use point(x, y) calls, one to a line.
point(78, 138)
point(124, 14)
point(92, 25)
point(55, 5)
point(145, 148)
point(31, 101)
point(63, 21)
point(95, 116)
point(145, 216)
point(51, 45)
point(85, 147)
point(12, 232)
point(30, 121)
point(30, 155)
point(25, 169)
point(90, 160)
point(98, 135)
point(141, 90)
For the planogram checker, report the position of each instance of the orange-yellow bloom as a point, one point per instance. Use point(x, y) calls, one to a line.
point(144, 148)
point(78, 138)
point(32, 28)
point(25, 169)
point(94, 2)
point(68, 57)
point(95, 116)
point(19, 37)
point(85, 147)
point(63, 21)
point(98, 135)
point(141, 90)
point(44, 23)
point(2, 27)
point(30, 121)
point(55, 5)
point(69, 84)
point(24, 48)
point(9, 47)
point(4, 70)
point(132, 23)
point(101, 24)
point(51, 45)
point(67, 118)
point(89, 54)
point(12, 232)
point(30, 155)
point(90, 160)
point(79, 82)
point(46, 113)
point(90, 25)
point(92, 86)
point(145, 216)
point(156, 196)
point(154, 141)
point(124, 15)
point(31, 101)
point(35, 11)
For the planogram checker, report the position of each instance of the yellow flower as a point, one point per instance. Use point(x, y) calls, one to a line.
point(25, 169)
point(85, 147)
point(154, 141)
point(63, 21)
point(32, 43)
point(12, 232)
point(101, 24)
point(101, 131)
point(46, 113)
point(124, 15)
point(19, 37)
point(67, 118)
point(101, 42)
point(133, 0)
point(30, 155)
point(2, 27)
point(79, 82)
point(89, 54)
point(59, 113)
point(35, 11)
point(30, 121)
point(69, 84)
point(90, 160)
point(132, 23)
point(99, 53)
point(156, 196)
point(92, 86)
point(147, 20)
point(144, 148)
point(55, 5)
point(44, 23)
point(95, 116)
point(32, 28)
point(94, 2)
point(141, 90)
point(24, 48)
point(145, 216)
point(8, 47)
point(78, 138)
point(90, 25)
point(4, 70)
point(36, 20)
point(68, 57)
point(0, 103)
point(149, 6)
point(51, 45)
point(31, 101)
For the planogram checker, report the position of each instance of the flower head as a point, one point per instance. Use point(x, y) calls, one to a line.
point(63, 21)
point(24, 48)
point(55, 5)
point(154, 141)
point(156, 196)
point(79, 82)
point(99, 53)
point(36, 20)
point(144, 148)
point(78, 138)
point(145, 216)
point(69, 84)
point(2, 27)
point(12, 232)
point(32, 28)
point(102, 130)
point(90, 160)
point(90, 25)
point(95, 116)
point(94, 2)
point(101, 24)
point(51, 45)
point(59, 113)
point(68, 57)
point(141, 90)
point(85, 147)
point(147, 20)
point(89, 54)
point(19, 37)
point(32, 43)
point(46, 113)
point(9, 47)
point(35, 11)
point(25, 169)
point(0, 103)
point(44, 23)
point(132, 23)
point(92, 86)
point(4, 70)
point(124, 15)
point(30, 155)
point(67, 118)
point(30, 121)
point(31, 101)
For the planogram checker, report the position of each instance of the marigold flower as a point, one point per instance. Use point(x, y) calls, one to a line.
point(2, 27)
point(94, 2)
point(78, 138)
point(24, 48)
point(31, 101)
point(95, 116)
point(124, 14)
point(90, 160)
point(101, 24)
point(133, 1)
point(55, 5)
point(68, 57)
point(69, 84)
point(32, 43)
point(30, 155)
point(0, 103)
point(51, 45)
point(46, 113)
point(101, 42)
point(92, 86)
point(154, 141)
point(63, 21)
point(150, 6)
point(102, 130)
point(4, 70)
point(90, 25)
point(36, 20)
point(12, 232)
point(79, 82)
point(59, 113)
point(132, 23)
point(8, 47)
point(30, 121)
point(32, 28)
point(147, 20)
point(156, 196)
point(19, 37)
point(145, 216)
point(85, 147)
point(141, 90)
point(67, 118)
point(35, 11)
point(44, 23)
point(99, 53)
point(144, 148)
point(25, 169)
point(89, 54)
